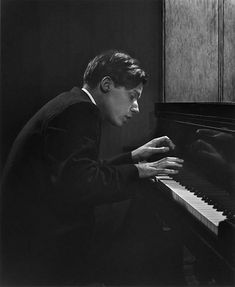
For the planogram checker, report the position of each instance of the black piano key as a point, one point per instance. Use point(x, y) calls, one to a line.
point(212, 195)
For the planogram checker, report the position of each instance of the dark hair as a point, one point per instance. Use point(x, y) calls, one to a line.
point(119, 66)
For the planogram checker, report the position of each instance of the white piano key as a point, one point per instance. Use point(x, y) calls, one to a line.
point(203, 211)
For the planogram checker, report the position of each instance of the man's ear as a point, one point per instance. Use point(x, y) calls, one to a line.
point(105, 84)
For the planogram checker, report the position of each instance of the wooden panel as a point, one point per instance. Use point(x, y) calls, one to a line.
point(191, 51)
point(229, 51)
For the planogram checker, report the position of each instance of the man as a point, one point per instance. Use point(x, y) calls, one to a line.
point(53, 178)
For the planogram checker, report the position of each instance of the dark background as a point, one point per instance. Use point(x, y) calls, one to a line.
point(46, 45)
point(45, 48)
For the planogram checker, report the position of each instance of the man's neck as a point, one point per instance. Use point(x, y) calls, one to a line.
point(98, 97)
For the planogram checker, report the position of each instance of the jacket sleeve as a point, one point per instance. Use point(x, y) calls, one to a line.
point(124, 158)
point(71, 149)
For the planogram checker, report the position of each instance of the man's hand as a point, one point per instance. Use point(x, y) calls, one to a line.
point(156, 145)
point(167, 165)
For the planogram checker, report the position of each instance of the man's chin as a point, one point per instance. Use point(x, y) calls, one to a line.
point(118, 122)
point(115, 123)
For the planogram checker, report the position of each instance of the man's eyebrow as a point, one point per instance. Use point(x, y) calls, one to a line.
point(138, 94)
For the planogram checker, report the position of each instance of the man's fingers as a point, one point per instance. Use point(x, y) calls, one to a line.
point(166, 165)
point(168, 171)
point(170, 159)
point(171, 171)
point(172, 164)
point(163, 140)
point(159, 149)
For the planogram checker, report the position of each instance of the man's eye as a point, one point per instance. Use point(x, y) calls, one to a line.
point(132, 97)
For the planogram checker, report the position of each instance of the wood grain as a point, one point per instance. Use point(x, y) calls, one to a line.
point(229, 51)
point(191, 51)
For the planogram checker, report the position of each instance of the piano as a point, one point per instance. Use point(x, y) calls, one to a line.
point(199, 201)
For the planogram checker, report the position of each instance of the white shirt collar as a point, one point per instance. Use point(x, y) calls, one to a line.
point(89, 95)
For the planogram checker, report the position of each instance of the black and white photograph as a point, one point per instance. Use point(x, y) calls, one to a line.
point(117, 143)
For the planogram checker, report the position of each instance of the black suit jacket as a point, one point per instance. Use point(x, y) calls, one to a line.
point(52, 181)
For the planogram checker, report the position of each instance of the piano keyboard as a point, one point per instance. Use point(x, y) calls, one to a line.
point(205, 212)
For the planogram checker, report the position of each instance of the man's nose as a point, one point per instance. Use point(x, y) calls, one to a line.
point(135, 107)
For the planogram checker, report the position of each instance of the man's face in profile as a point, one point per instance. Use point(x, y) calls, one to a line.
point(121, 104)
